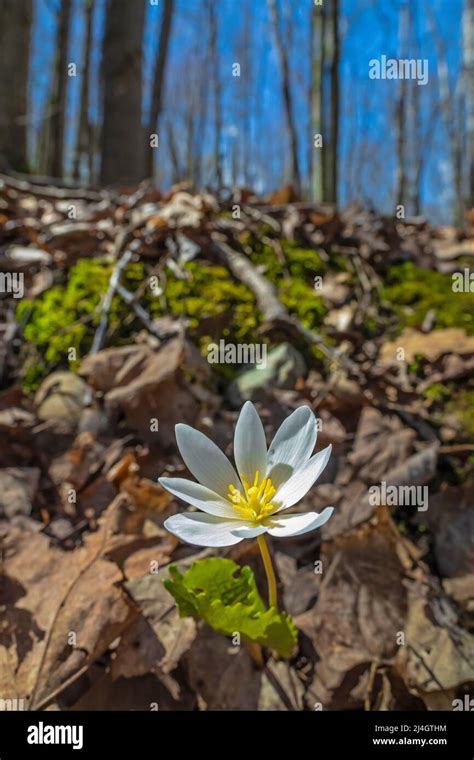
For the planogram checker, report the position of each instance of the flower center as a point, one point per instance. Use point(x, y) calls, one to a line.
point(256, 504)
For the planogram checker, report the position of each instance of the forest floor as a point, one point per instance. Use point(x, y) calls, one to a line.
point(111, 309)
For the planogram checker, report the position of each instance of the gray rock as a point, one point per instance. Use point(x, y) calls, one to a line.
point(284, 365)
point(61, 398)
point(18, 486)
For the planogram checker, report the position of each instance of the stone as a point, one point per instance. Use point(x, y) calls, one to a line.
point(284, 366)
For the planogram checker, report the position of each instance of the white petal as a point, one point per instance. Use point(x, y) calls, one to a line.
point(299, 484)
point(200, 497)
point(205, 460)
point(250, 447)
point(296, 525)
point(203, 530)
point(249, 531)
point(292, 445)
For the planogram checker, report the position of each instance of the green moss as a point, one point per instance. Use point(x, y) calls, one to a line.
point(448, 400)
point(67, 316)
point(206, 292)
point(410, 292)
point(437, 392)
point(462, 406)
point(299, 262)
point(302, 300)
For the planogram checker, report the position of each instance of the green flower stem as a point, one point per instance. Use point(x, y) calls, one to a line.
point(267, 562)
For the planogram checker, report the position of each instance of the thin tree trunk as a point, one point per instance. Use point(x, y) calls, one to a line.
point(316, 73)
point(159, 77)
point(15, 34)
point(401, 111)
point(215, 74)
point(59, 101)
point(176, 171)
point(287, 96)
point(330, 100)
point(449, 113)
point(468, 51)
point(200, 123)
point(122, 138)
point(419, 153)
point(84, 134)
point(245, 55)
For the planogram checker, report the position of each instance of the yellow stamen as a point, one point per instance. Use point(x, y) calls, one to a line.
point(256, 502)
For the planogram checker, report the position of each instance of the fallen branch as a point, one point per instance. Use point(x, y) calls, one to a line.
point(124, 257)
point(142, 315)
point(274, 313)
point(47, 191)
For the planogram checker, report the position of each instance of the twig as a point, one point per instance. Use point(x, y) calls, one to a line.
point(370, 685)
point(142, 315)
point(274, 313)
point(261, 217)
point(243, 269)
point(99, 337)
point(47, 191)
point(461, 448)
point(62, 687)
point(428, 669)
point(279, 688)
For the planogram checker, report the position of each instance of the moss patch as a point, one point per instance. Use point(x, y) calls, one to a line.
point(67, 316)
point(410, 292)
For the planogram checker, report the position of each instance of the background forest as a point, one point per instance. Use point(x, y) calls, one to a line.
point(205, 202)
point(93, 80)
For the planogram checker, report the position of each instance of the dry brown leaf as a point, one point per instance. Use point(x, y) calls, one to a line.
point(63, 609)
point(174, 634)
point(438, 656)
point(431, 345)
point(360, 609)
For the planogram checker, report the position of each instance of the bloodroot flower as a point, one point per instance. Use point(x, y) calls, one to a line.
point(250, 504)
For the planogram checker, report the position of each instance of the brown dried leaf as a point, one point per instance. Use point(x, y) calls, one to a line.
point(49, 599)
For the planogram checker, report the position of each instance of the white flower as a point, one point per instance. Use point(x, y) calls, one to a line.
point(233, 507)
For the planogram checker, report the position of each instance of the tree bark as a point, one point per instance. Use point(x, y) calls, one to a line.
point(330, 100)
point(449, 105)
point(287, 96)
point(401, 112)
point(316, 111)
point(122, 138)
point(59, 102)
point(15, 33)
point(468, 55)
point(159, 77)
point(216, 80)
point(84, 135)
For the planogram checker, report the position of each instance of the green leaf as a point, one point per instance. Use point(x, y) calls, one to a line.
point(226, 596)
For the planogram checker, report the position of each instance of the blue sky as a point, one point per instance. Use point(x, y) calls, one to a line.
point(369, 29)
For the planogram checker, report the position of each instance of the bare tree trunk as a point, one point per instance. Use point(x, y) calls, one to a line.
point(200, 123)
point(450, 114)
point(287, 95)
point(15, 33)
point(59, 100)
point(401, 112)
point(418, 157)
point(122, 138)
point(468, 55)
point(84, 134)
point(176, 170)
point(244, 53)
point(330, 100)
point(159, 77)
point(316, 112)
point(216, 80)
